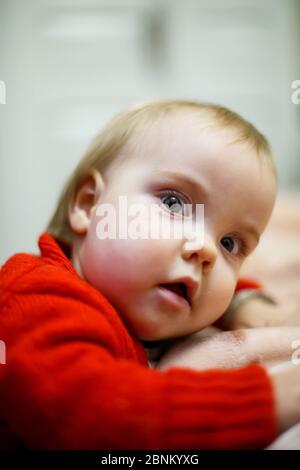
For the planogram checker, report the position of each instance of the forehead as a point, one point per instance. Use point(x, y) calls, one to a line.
point(194, 149)
point(190, 141)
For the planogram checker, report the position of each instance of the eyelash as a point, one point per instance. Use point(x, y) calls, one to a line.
point(243, 246)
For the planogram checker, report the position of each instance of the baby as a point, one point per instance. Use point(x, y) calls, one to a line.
point(77, 318)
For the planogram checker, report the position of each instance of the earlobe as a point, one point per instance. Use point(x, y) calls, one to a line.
point(86, 197)
point(79, 221)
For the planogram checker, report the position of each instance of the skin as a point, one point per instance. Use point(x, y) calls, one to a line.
point(216, 349)
point(240, 189)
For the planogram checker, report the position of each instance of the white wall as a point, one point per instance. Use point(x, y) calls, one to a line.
point(69, 65)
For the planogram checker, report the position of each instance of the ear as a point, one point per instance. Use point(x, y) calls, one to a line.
point(86, 197)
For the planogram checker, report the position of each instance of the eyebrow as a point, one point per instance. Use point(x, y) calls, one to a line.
point(203, 190)
point(187, 180)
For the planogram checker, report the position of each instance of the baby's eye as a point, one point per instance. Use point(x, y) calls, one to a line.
point(234, 245)
point(174, 203)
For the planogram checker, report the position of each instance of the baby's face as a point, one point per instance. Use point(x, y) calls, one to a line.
point(198, 166)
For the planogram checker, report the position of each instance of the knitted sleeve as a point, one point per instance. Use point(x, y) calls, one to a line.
point(67, 385)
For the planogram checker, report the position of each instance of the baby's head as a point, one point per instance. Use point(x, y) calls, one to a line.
point(163, 155)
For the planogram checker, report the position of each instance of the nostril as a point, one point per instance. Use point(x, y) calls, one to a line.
point(207, 265)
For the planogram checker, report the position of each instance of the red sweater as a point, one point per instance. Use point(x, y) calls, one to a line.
point(75, 378)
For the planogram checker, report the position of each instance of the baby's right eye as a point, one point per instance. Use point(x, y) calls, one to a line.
point(174, 202)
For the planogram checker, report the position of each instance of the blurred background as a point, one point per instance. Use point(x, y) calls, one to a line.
point(69, 65)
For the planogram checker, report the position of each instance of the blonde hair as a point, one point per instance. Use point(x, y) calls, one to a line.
point(108, 143)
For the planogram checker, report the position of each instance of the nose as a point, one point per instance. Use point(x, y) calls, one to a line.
point(204, 251)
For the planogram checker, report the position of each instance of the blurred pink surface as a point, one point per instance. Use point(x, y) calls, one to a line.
point(276, 261)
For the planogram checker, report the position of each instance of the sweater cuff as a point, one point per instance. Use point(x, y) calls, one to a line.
point(220, 409)
point(244, 283)
point(247, 283)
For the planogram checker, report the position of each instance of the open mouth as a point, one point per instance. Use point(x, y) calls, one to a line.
point(178, 288)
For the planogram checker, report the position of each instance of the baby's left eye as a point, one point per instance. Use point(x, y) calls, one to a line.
point(232, 244)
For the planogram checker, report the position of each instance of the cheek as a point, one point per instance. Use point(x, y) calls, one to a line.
point(224, 286)
point(121, 264)
point(226, 297)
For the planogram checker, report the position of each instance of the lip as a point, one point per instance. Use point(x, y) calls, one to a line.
point(173, 299)
point(191, 285)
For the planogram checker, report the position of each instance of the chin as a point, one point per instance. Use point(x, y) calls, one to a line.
point(149, 333)
point(148, 336)
point(156, 336)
